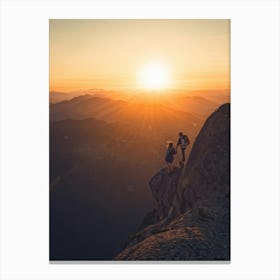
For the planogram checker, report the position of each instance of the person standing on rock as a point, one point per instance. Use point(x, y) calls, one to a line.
point(169, 158)
point(183, 142)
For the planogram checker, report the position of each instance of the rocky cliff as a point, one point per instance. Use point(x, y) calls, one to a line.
point(191, 215)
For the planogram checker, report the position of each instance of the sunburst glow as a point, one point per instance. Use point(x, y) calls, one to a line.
point(154, 76)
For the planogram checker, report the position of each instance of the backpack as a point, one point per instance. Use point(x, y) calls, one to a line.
point(185, 142)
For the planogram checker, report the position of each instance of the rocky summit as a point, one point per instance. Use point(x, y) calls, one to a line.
point(191, 215)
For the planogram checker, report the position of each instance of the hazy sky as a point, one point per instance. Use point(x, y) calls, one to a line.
point(109, 54)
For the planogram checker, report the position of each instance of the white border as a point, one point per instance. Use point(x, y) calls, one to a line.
point(255, 138)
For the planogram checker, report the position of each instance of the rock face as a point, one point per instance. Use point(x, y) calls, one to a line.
point(191, 216)
point(165, 190)
point(206, 178)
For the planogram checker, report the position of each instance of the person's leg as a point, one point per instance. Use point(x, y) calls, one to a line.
point(183, 154)
point(168, 167)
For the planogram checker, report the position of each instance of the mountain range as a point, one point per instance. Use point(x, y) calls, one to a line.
point(102, 154)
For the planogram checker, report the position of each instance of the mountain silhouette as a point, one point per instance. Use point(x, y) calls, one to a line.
point(191, 215)
point(197, 105)
point(147, 117)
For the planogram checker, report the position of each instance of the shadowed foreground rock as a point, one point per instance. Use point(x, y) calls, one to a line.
point(191, 216)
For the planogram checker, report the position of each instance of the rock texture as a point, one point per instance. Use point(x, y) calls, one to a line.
point(165, 190)
point(206, 178)
point(191, 216)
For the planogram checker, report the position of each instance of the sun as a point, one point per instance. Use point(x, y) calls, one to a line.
point(154, 76)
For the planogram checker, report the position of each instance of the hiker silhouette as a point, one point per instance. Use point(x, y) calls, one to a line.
point(169, 158)
point(183, 142)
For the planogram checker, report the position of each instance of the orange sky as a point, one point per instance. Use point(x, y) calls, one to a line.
point(109, 54)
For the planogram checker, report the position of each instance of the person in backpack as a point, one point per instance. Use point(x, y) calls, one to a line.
point(183, 142)
point(169, 158)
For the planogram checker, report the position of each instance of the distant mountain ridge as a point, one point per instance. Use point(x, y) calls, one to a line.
point(193, 104)
point(151, 119)
point(217, 96)
point(196, 104)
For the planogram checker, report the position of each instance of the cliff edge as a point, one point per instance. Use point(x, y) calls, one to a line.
point(191, 215)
